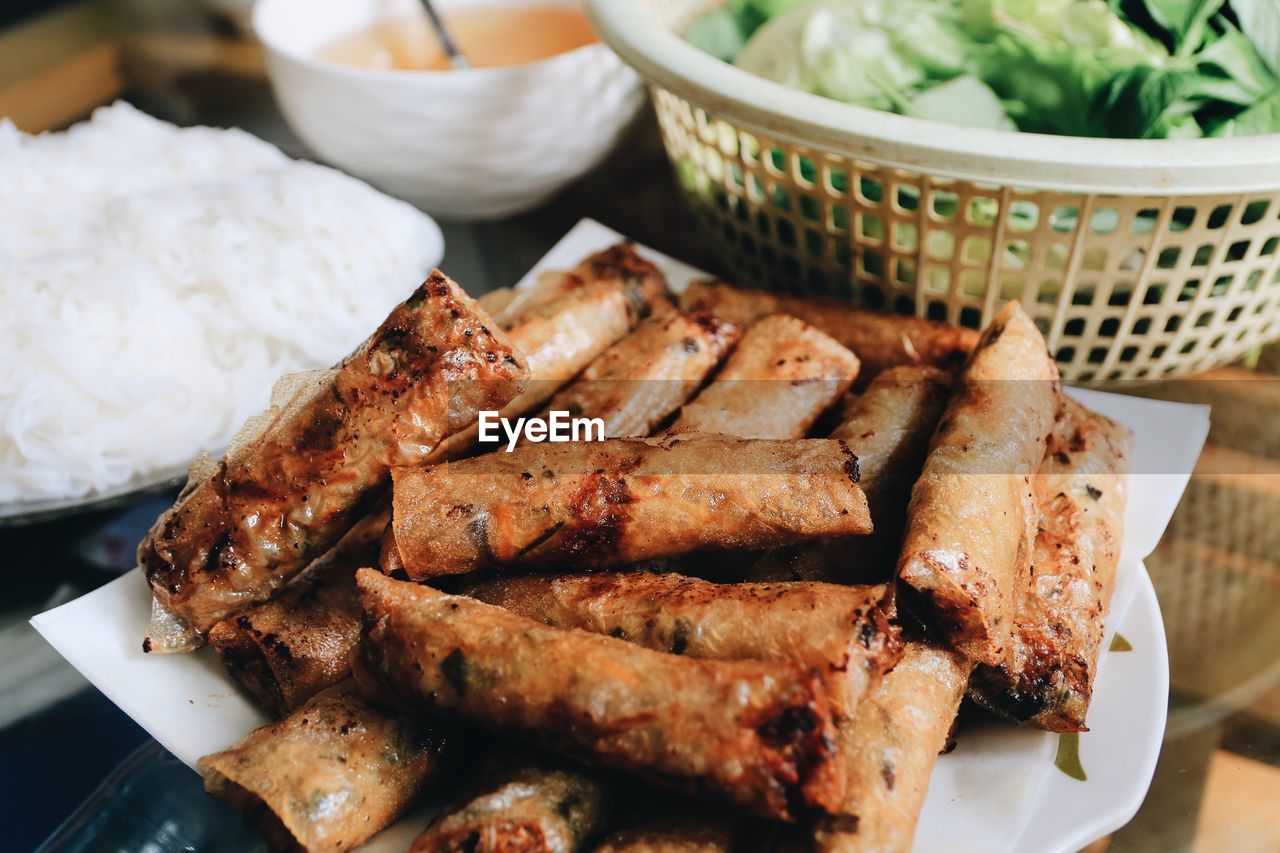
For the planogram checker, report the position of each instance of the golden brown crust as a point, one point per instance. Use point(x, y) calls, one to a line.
point(841, 631)
point(971, 518)
point(622, 501)
point(330, 775)
point(290, 648)
point(635, 384)
point(1081, 493)
point(671, 827)
point(286, 496)
point(779, 380)
point(570, 323)
point(888, 426)
point(757, 733)
point(496, 302)
point(889, 751)
point(880, 340)
point(524, 803)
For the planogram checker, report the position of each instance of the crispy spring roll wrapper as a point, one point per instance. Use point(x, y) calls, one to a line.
point(888, 426)
point(296, 478)
point(622, 501)
point(525, 802)
point(889, 750)
point(565, 328)
point(779, 380)
point(330, 775)
point(840, 631)
point(635, 384)
point(879, 340)
point(971, 518)
point(756, 733)
point(496, 302)
point(552, 284)
point(295, 645)
point(1057, 637)
point(673, 827)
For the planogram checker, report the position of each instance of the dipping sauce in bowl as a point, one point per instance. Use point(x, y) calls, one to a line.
point(489, 141)
point(488, 37)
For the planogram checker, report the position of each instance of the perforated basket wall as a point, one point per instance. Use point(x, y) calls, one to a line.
point(1123, 286)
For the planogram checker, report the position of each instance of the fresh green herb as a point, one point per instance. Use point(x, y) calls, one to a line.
point(1150, 69)
point(1260, 21)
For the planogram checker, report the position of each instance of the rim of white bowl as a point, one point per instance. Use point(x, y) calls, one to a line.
point(1077, 164)
point(260, 13)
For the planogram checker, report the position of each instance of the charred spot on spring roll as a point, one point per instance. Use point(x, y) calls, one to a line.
point(971, 518)
point(298, 477)
point(524, 802)
point(888, 426)
point(1059, 622)
point(635, 384)
point(778, 381)
point(622, 501)
point(758, 734)
point(330, 775)
point(879, 340)
point(841, 631)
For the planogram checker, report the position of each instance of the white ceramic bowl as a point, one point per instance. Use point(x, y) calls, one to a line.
point(471, 144)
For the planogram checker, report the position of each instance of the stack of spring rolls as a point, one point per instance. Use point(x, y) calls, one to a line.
point(747, 618)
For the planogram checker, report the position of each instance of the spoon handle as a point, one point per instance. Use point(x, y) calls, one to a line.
point(456, 59)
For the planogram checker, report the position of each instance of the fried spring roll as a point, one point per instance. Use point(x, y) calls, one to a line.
point(676, 828)
point(550, 285)
point(524, 803)
point(496, 302)
point(780, 379)
point(564, 329)
point(890, 748)
point(971, 518)
point(290, 648)
point(622, 501)
point(330, 775)
point(649, 374)
point(756, 733)
point(298, 477)
point(888, 426)
point(879, 340)
point(840, 631)
point(1058, 629)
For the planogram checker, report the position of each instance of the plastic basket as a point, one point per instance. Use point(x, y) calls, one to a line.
point(1138, 259)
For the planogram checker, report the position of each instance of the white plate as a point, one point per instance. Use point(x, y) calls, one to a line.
point(998, 790)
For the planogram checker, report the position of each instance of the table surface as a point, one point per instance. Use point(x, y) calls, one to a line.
point(1218, 578)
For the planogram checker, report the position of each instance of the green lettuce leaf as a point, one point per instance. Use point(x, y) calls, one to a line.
point(719, 34)
point(1186, 20)
point(966, 101)
point(1262, 117)
point(1260, 22)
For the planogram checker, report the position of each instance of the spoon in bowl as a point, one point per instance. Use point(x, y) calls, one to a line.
point(456, 59)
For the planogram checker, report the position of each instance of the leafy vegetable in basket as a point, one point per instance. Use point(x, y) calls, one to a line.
point(1123, 68)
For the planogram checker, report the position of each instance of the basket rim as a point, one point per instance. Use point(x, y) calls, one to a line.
point(1157, 167)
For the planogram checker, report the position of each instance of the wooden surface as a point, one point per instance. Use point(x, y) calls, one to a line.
point(57, 67)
